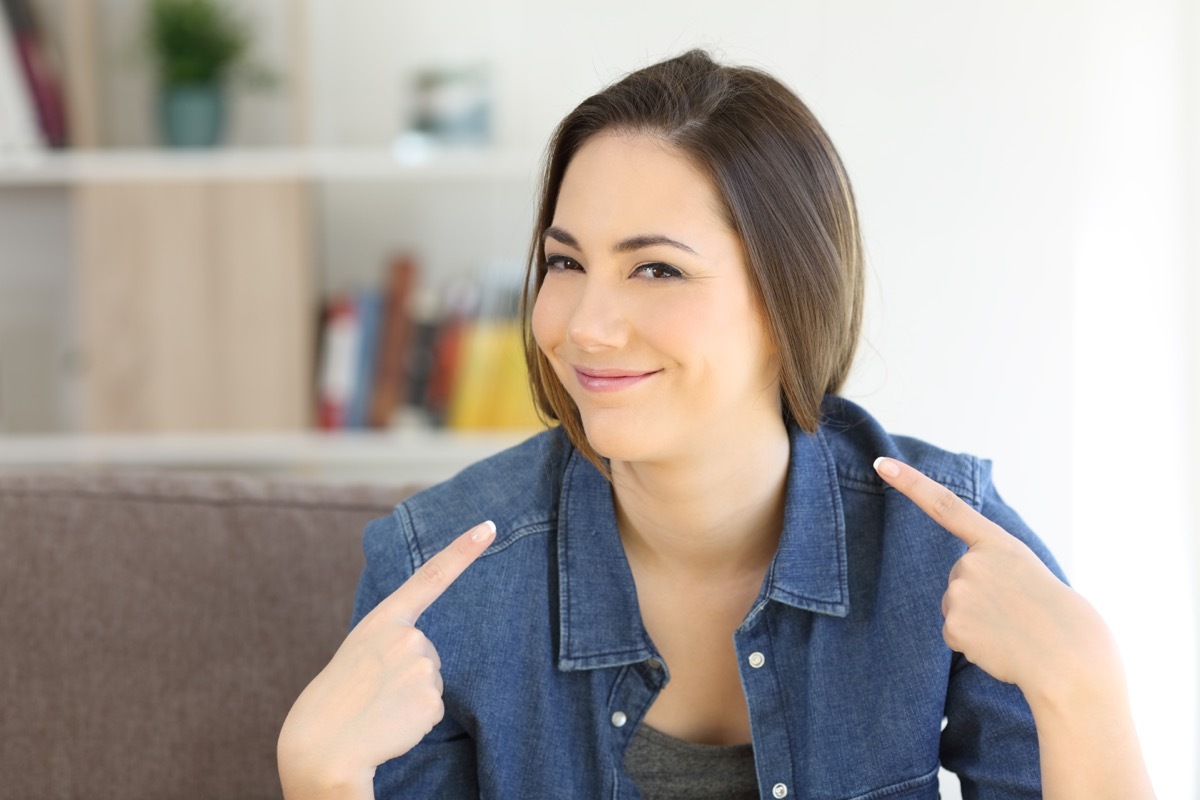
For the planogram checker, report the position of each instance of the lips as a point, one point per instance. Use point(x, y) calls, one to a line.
point(609, 380)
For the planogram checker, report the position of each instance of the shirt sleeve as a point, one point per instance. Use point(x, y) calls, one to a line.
point(443, 765)
point(990, 740)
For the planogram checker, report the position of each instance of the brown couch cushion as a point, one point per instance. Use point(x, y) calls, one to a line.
point(156, 628)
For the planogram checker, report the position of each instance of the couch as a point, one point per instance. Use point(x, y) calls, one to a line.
point(156, 627)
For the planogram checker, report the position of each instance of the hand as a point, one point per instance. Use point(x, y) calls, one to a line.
point(382, 691)
point(1004, 609)
point(1009, 614)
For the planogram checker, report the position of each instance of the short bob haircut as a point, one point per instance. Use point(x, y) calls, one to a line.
point(785, 194)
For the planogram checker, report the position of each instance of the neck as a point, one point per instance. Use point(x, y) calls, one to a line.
point(708, 516)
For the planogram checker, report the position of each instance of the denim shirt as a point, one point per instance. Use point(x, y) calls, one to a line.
point(851, 690)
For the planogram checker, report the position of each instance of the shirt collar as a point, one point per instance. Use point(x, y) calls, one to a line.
point(599, 621)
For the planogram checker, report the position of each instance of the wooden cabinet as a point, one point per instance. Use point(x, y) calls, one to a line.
point(195, 304)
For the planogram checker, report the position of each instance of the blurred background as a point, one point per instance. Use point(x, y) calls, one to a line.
point(306, 259)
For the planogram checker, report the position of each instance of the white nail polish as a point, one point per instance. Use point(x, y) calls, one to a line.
point(484, 533)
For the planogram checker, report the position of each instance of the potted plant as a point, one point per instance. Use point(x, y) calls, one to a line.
point(196, 46)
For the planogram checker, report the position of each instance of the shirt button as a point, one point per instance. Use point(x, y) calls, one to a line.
point(757, 660)
point(653, 663)
point(779, 790)
point(619, 719)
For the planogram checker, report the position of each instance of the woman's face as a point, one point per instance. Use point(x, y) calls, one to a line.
point(646, 312)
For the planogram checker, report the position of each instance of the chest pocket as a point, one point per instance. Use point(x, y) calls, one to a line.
point(923, 788)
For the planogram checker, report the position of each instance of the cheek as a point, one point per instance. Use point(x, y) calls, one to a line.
point(739, 339)
point(549, 318)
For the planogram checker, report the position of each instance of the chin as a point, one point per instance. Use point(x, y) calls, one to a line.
point(613, 445)
point(618, 438)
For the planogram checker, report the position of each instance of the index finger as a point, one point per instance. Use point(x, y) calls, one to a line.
point(944, 506)
point(433, 577)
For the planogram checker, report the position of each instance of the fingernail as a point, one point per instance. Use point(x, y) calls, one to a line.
point(484, 532)
point(886, 467)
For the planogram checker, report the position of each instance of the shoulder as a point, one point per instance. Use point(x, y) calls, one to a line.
point(855, 439)
point(518, 489)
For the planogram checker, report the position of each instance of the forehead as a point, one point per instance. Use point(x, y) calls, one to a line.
point(626, 182)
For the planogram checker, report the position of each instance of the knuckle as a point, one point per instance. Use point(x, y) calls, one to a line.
point(1013, 546)
point(410, 639)
point(425, 668)
point(431, 572)
point(419, 673)
point(956, 593)
point(428, 706)
point(952, 629)
point(407, 643)
point(949, 635)
point(945, 502)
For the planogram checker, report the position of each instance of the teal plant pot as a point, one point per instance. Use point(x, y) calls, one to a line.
point(192, 115)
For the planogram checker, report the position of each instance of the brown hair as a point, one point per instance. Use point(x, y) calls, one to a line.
point(786, 195)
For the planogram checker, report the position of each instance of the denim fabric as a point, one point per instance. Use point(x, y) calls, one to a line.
point(548, 670)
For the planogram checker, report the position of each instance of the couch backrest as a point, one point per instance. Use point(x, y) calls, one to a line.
point(155, 628)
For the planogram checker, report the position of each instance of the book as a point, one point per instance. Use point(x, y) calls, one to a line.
point(368, 305)
point(461, 305)
point(426, 313)
point(491, 391)
point(40, 70)
point(19, 129)
point(386, 356)
point(394, 363)
point(340, 342)
point(444, 365)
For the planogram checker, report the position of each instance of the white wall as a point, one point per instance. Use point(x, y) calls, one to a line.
point(1134, 362)
point(1190, 33)
point(1022, 176)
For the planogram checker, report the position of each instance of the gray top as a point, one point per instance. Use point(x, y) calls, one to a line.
point(666, 768)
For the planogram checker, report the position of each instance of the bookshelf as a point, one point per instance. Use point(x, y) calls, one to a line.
point(147, 290)
point(129, 215)
point(398, 457)
point(67, 168)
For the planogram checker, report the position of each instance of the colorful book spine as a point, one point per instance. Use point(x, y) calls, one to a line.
point(19, 129)
point(491, 391)
point(369, 304)
point(340, 343)
point(40, 70)
point(394, 362)
point(388, 351)
point(444, 368)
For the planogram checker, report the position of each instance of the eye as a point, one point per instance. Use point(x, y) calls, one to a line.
point(657, 271)
point(559, 263)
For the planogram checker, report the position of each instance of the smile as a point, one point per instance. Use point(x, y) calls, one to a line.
point(609, 380)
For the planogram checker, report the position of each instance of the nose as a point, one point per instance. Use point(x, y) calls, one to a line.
point(598, 321)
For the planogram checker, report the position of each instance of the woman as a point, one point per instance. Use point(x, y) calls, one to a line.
point(700, 584)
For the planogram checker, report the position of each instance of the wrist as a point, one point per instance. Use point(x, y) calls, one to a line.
point(304, 777)
point(313, 787)
point(1082, 670)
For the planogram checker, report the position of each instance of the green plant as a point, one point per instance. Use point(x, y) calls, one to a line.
point(195, 41)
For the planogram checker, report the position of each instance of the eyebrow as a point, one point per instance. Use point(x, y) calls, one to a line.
point(625, 245)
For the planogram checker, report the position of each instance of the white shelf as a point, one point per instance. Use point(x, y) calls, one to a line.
point(383, 456)
point(411, 163)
